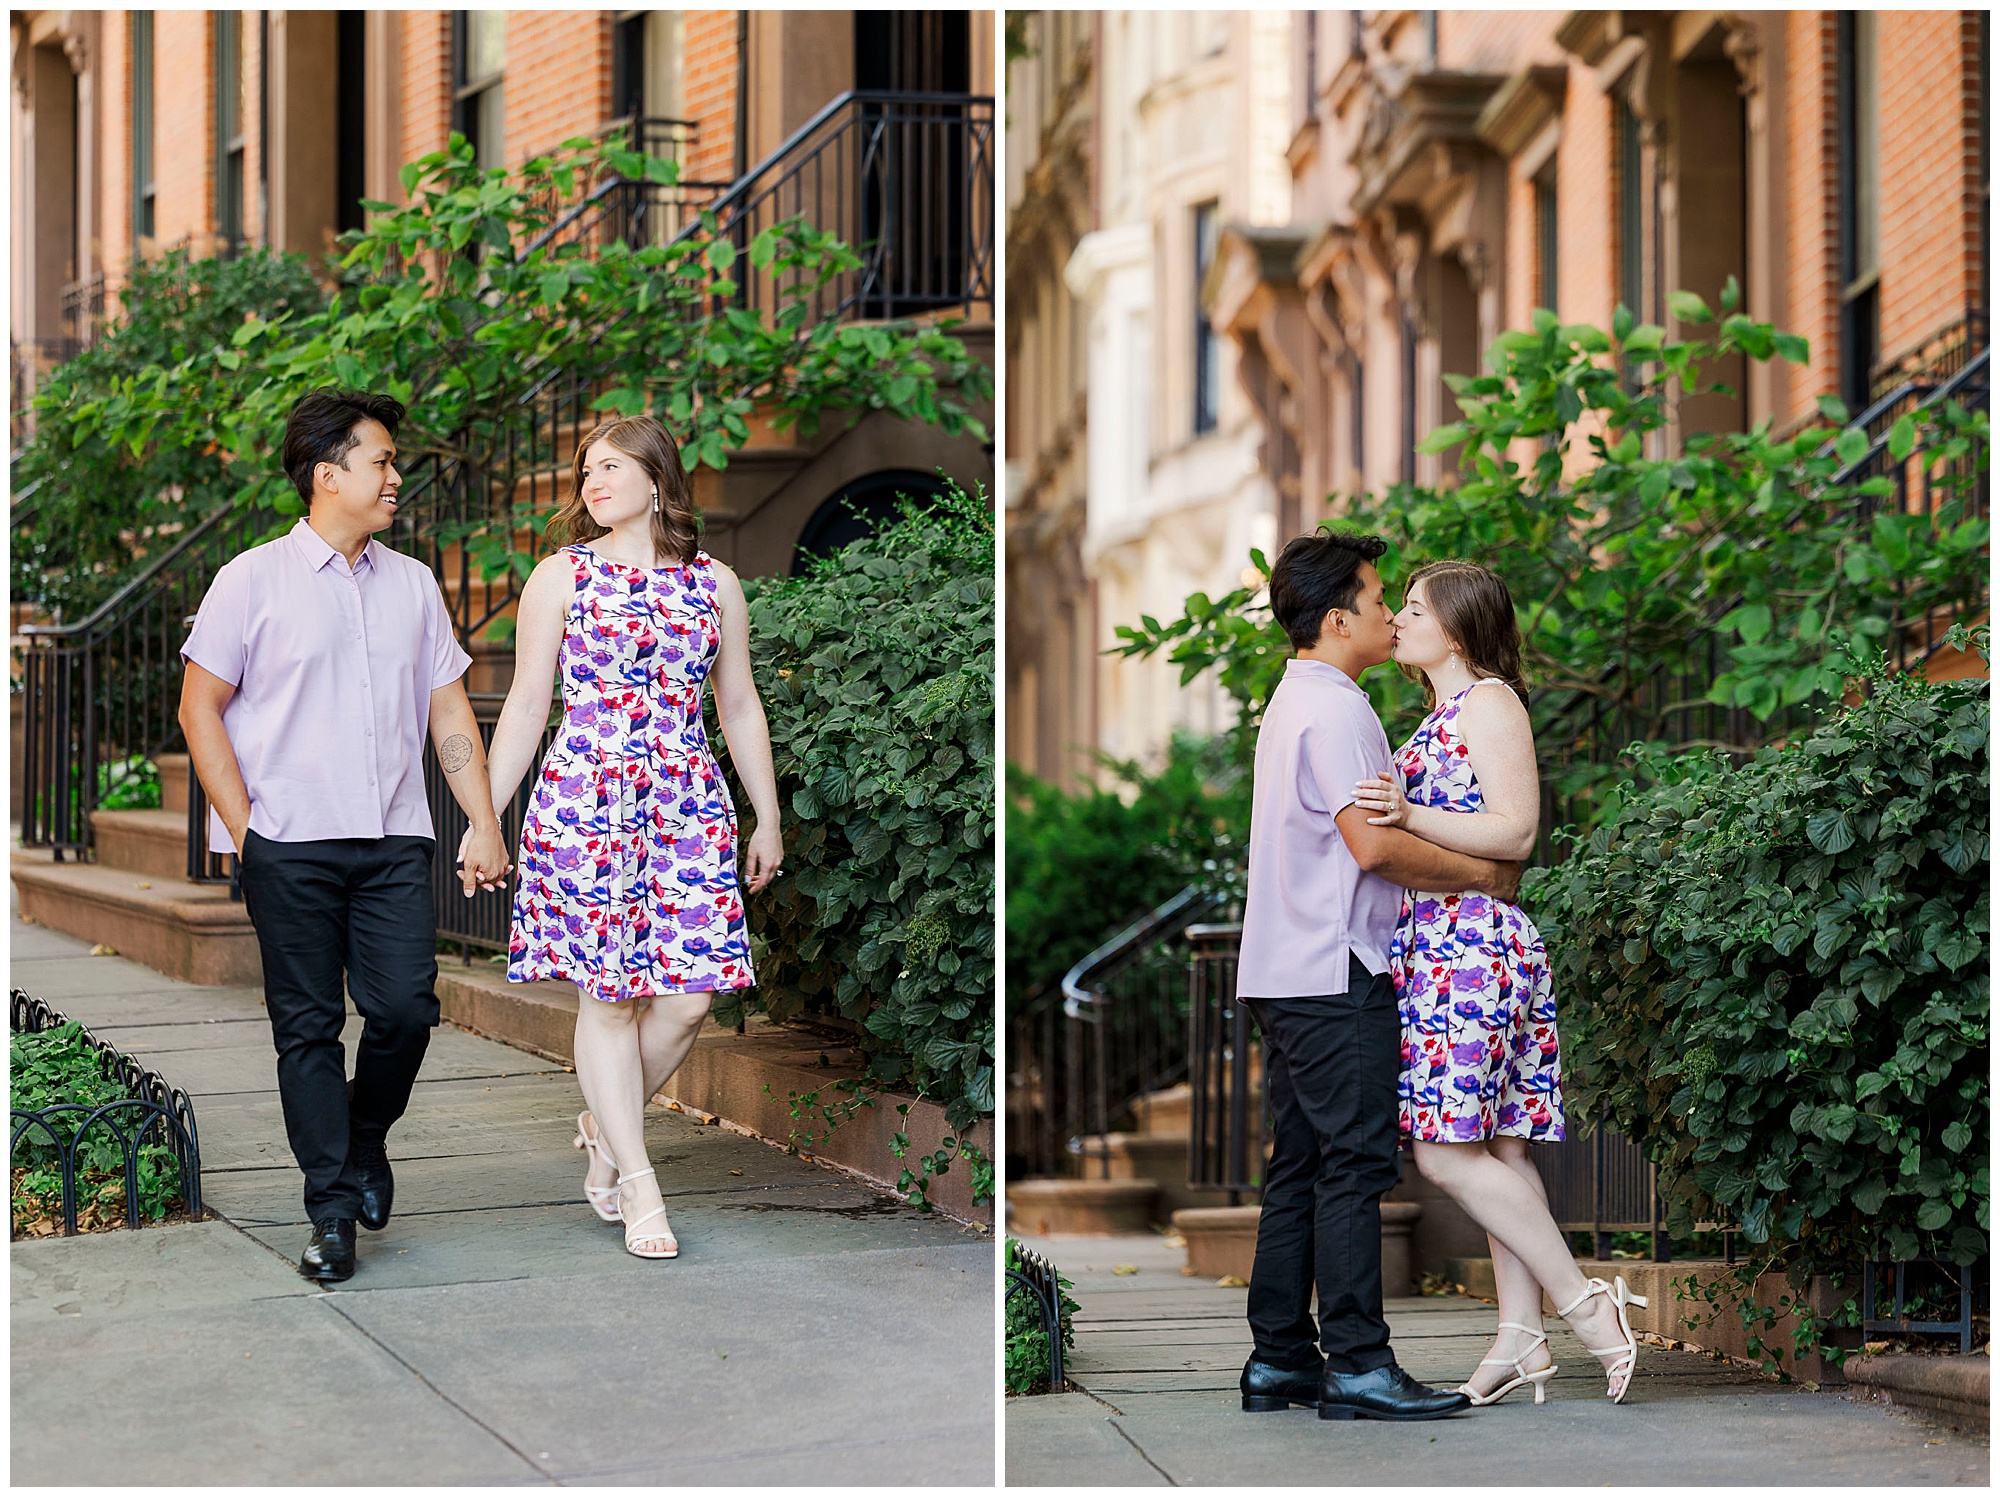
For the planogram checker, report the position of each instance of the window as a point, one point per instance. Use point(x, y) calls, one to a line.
point(1631, 214)
point(479, 57)
point(1545, 238)
point(628, 65)
point(142, 125)
point(350, 119)
point(1207, 350)
point(1860, 266)
point(1310, 62)
point(229, 114)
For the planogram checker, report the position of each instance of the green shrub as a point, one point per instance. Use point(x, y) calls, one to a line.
point(876, 672)
point(1027, 1350)
point(1774, 977)
point(102, 495)
point(1081, 865)
point(59, 1066)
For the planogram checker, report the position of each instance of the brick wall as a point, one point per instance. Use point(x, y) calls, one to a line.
point(708, 91)
point(426, 82)
point(112, 65)
point(1586, 205)
point(1812, 195)
point(558, 78)
point(183, 126)
point(1929, 128)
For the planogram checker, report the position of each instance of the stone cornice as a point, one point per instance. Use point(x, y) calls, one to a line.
point(1521, 107)
point(1398, 162)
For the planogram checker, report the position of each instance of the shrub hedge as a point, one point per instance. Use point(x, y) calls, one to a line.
point(876, 673)
point(1775, 978)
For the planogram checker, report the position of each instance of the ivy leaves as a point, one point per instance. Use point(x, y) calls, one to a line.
point(876, 674)
point(1774, 978)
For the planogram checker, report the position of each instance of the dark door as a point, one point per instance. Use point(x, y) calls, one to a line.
point(914, 158)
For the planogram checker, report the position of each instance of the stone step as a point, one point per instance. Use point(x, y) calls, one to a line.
point(1159, 1157)
point(749, 1079)
point(1081, 1208)
point(192, 932)
point(151, 844)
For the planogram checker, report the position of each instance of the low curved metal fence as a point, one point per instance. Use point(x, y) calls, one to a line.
point(1036, 1278)
point(156, 1110)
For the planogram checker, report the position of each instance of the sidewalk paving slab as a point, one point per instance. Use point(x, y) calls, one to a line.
point(497, 1333)
point(1158, 1355)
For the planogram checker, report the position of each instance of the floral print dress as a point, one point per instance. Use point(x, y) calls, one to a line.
point(628, 881)
point(1472, 982)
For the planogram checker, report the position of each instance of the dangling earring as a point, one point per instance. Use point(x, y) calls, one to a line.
point(656, 498)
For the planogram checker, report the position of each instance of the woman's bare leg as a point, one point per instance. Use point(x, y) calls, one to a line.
point(609, 1070)
point(667, 1031)
point(1515, 1215)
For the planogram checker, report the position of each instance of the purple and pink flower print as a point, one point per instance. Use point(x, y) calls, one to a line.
point(628, 881)
point(1472, 980)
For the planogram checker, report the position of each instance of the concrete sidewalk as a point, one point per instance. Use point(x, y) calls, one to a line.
point(1158, 1354)
point(812, 1330)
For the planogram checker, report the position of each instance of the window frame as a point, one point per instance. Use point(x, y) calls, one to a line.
point(145, 187)
point(1206, 221)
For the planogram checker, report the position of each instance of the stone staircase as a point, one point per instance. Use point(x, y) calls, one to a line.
point(136, 898)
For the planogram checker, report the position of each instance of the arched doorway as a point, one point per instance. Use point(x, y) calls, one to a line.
point(857, 508)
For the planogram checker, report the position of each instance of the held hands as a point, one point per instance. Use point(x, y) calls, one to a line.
point(764, 859)
point(1383, 798)
point(482, 859)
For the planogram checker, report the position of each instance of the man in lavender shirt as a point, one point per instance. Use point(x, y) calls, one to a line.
point(316, 665)
point(1325, 888)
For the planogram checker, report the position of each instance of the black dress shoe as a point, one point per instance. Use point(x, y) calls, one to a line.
point(1385, 1393)
point(329, 1257)
point(1268, 1388)
point(378, 1186)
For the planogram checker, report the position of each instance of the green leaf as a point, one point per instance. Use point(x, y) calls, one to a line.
point(1833, 408)
point(1442, 437)
point(1793, 349)
point(554, 287)
point(1688, 307)
point(1851, 446)
point(1903, 438)
point(1829, 830)
point(720, 255)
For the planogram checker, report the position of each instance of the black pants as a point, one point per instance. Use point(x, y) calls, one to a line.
point(1330, 1066)
point(359, 909)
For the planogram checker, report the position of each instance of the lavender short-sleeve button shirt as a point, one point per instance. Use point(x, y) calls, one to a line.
point(334, 670)
point(1309, 904)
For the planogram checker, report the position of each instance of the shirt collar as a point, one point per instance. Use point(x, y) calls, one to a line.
point(1333, 673)
point(312, 545)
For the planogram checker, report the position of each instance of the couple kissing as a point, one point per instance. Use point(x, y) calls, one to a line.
point(1399, 990)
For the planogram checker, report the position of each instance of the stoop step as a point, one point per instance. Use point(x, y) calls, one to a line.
point(152, 844)
point(192, 932)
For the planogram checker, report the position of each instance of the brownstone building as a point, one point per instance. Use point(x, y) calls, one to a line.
point(137, 130)
point(1311, 228)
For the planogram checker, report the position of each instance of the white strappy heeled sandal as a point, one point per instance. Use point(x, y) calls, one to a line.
point(603, 1198)
point(1625, 1358)
point(632, 1232)
point(1538, 1378)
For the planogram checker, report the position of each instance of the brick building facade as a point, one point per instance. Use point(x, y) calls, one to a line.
point(133, 131)
point(1448, 172)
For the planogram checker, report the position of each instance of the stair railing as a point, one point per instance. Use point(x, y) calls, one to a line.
point(1116, 1030)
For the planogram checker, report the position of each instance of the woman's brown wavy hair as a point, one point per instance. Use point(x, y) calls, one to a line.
point(1476, 612)
point(652, 447)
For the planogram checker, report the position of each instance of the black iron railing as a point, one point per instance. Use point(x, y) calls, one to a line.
point(1081, 1056)
point(82, 314)
point(158, 1113)
point(1967, 1286)
point(1035, 1277)
point(906, 179)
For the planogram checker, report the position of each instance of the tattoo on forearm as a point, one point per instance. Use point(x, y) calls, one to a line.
point(455, 753)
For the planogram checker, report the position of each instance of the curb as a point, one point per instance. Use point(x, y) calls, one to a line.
point(1955, 1388)
point(746, 1081)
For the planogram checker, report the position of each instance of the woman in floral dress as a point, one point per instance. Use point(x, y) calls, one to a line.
point(1481, 1077)
point(628, 879)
